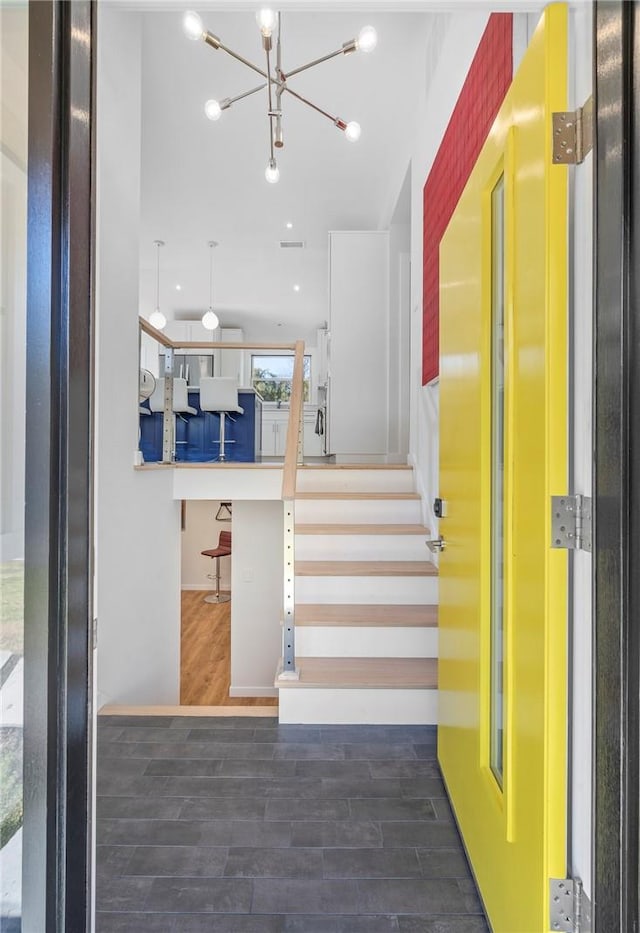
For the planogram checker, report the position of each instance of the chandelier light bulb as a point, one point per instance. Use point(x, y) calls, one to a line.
point(158, 320)
point(213, 110)
point(272, 172)
point(210, 320)
point(192, 26)
point(353, 131)
point(266, 20)
point(367, 39)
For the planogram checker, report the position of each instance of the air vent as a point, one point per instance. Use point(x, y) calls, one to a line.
point(292, 244)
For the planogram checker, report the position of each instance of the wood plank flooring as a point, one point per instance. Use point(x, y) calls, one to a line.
point(205, 657)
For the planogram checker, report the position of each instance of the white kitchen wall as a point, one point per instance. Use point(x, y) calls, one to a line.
point(137, 520)
point(256, 604)
point(200, 533)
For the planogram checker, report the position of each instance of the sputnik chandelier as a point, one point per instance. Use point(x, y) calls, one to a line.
point(277, 82)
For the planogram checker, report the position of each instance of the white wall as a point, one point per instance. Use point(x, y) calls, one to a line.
point(256, 606)
point(137, 520)
point(201, 532)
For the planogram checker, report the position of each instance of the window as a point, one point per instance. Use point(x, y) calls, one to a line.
point(272, 376)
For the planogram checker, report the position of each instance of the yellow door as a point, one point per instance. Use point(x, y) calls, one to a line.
point(503, 454)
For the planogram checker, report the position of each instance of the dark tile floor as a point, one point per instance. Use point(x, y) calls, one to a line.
point(238, 825)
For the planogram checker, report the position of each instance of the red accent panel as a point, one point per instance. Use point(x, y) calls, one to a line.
point(480, 99)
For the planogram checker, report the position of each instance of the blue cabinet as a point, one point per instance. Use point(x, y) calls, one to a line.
point(197, 436)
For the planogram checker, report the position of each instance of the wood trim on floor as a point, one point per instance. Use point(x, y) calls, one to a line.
point(115, 710)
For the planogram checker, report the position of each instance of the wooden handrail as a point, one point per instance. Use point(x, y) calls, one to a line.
point(203, 345)
point(155, 333)
point(293, 428)
point(208, 344)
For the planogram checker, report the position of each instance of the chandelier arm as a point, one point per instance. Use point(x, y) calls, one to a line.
point(246, 62)
point(254, 90)
point(313, 106)
point(279, 48)
point(316, 61)
point(270, 106)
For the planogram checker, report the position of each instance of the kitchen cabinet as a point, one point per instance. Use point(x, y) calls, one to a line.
point(187, 331)
point(358, 350)
point(274, 432)
point(230, 362)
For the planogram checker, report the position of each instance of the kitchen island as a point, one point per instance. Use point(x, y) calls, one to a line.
point(197, 436)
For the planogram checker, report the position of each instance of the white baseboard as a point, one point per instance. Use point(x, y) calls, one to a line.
point(269, 691)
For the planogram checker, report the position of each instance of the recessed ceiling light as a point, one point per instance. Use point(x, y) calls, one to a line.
point(289, 225)
point(178, 288)
point(296, 288)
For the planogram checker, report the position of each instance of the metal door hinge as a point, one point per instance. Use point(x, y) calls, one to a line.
point(571, 522)
point(573, 134)
point(569, 907)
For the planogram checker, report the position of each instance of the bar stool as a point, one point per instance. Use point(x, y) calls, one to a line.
point(220, 394)
point(180, 402)
point(223, 550)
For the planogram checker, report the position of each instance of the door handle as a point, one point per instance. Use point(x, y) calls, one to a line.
point(436, 544)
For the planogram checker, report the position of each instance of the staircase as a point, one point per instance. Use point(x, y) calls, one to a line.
point(366, 600)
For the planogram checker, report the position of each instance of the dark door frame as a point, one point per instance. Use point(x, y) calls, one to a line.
point(617, 467)
point(59, 563)
point(56, 890)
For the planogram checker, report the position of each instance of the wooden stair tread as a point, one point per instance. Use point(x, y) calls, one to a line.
point(365, 568)
point(357, 495)
point(363, 529)
point(372, 673)
point(376, 614)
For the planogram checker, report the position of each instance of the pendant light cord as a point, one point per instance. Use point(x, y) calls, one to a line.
point(157, 275)
point(210, 276)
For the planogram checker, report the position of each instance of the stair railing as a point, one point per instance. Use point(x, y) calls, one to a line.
point(294, 456)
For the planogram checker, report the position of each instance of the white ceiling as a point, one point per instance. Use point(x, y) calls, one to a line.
point(205, 181)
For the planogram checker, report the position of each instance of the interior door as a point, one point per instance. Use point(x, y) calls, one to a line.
point(503, 453)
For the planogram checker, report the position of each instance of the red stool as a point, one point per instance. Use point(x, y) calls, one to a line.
point(223, 550)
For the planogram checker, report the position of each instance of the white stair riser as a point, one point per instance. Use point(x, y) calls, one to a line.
point(385, 590)
point(358, 511)
point(364, 705)
point(361, 547)
point(336, 641)
point(328, 480)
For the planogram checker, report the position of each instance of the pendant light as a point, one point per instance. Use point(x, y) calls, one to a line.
point(157, 319)
point(210, 318)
